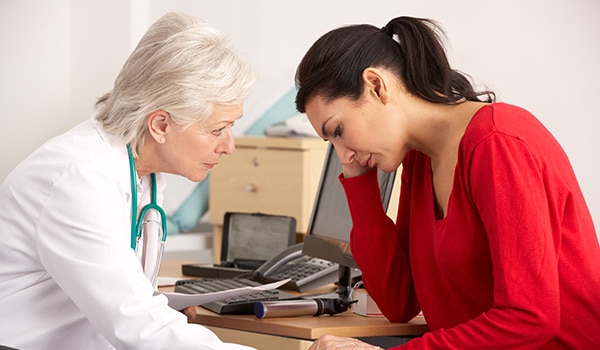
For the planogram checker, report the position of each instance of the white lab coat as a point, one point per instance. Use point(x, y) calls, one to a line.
point(68, 276)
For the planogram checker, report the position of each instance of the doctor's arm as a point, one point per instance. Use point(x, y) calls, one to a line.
point(84, 245)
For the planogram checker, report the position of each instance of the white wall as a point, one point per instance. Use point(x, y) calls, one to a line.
point(57, 57)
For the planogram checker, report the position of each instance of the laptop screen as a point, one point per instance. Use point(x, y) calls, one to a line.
point(256, 236)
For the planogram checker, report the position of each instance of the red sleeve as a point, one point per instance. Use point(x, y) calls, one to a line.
point(508, 188)
point(379, 250)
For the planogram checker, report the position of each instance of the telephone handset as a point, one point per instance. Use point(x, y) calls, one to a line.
point(279, 260)
point(305, 272)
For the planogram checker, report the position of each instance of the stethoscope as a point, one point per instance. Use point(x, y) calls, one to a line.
point(137, 222)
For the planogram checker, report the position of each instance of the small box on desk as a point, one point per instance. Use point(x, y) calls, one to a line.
point(365, 305)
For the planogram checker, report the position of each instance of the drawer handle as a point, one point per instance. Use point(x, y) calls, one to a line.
point(255, 161)
point(250, 188)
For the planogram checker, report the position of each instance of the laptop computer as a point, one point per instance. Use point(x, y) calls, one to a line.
point(249, 239)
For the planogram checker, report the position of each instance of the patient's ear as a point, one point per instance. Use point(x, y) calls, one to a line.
point(375, 84)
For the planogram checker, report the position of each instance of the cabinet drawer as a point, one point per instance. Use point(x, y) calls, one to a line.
point(258, 180)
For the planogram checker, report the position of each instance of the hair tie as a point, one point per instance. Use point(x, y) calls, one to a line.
point(387, 31)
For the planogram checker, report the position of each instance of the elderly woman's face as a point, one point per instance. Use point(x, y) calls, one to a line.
point(191, 152)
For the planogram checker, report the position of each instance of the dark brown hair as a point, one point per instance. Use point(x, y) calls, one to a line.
point(409, 47)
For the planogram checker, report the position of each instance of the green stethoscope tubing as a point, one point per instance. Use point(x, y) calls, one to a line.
point(136, 222)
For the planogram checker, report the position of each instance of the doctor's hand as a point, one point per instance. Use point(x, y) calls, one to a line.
point(330, 342)
point(190, 312)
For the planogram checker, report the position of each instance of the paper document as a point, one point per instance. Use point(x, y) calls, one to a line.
point(180, 301)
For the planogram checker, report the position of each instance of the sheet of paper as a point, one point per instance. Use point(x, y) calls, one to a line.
point(179, 301)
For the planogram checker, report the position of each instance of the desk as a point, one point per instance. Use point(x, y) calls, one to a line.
point(293, 332)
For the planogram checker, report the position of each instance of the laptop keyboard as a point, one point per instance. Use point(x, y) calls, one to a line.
point(243, 304)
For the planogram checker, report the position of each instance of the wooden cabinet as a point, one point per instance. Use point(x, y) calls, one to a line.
point(270, 175)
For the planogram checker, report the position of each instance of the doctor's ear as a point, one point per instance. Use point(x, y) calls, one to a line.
point(157, 123)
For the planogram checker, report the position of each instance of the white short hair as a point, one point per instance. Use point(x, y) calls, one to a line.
point(181, 65)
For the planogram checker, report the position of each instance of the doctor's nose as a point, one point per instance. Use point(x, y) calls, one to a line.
point(227, 142)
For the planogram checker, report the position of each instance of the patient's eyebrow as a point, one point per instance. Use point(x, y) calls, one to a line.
point(324, 131)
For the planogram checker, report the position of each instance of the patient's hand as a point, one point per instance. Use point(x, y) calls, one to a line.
point(330, 342)
point(354, 168)
point(190, 312)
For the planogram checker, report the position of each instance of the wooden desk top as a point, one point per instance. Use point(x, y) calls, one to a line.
point(346, 324)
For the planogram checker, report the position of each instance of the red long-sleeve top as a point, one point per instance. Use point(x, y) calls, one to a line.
point(515, 264)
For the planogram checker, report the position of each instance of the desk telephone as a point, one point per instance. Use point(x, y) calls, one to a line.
point(305, 272)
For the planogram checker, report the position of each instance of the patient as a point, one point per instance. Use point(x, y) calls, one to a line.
point(493, 240)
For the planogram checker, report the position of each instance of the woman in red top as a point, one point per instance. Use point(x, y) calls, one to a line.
point(493, 240)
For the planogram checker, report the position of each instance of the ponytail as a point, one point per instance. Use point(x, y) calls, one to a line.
point(409, 47)
point(426, 71)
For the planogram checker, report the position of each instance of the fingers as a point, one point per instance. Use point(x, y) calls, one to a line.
point(354, 169)
point(330, 342)
point(190, 312)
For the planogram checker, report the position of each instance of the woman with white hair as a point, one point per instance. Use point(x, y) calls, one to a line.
point(82, 229)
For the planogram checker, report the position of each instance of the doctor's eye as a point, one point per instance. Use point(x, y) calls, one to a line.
point(219, 131)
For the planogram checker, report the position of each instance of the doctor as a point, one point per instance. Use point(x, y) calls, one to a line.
point(77, 265)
